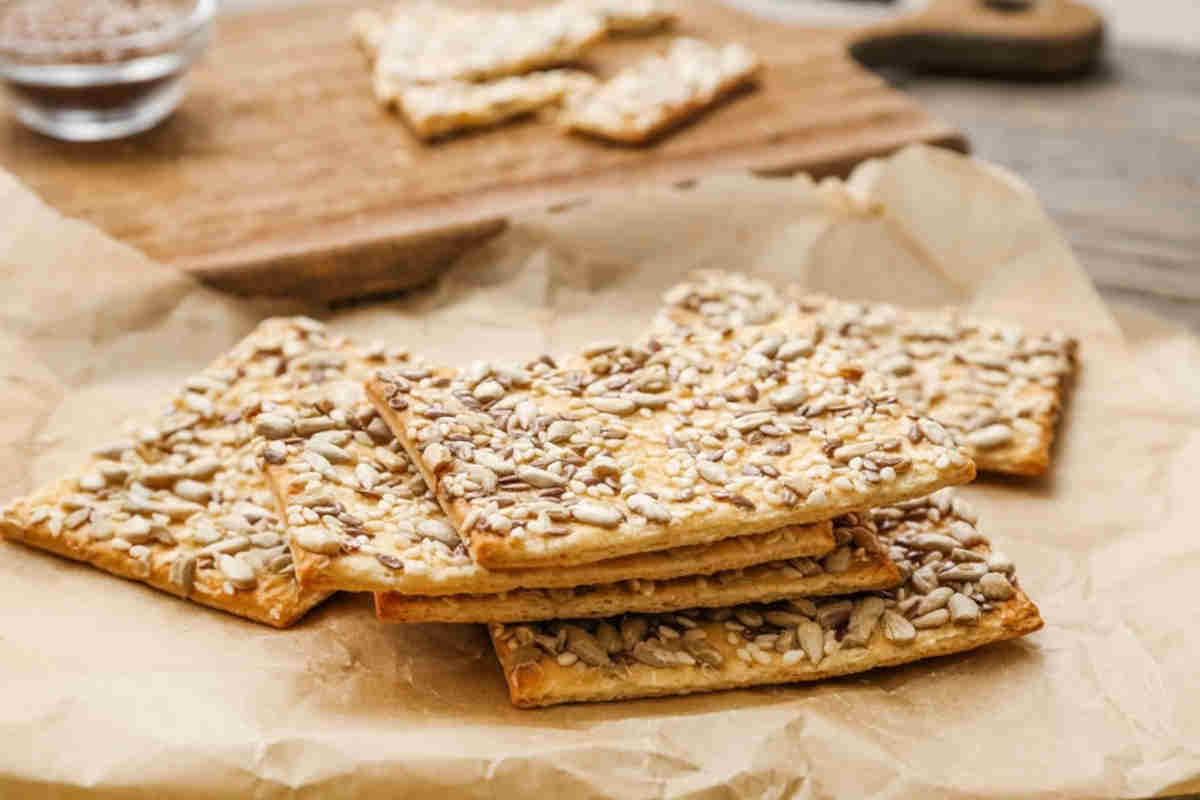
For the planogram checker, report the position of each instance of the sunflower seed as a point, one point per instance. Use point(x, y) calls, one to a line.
point(238, 572)
point(703, 652)
point(789, 397)
point(274, 426)
point(632, 631)
point(934, 619)
point(653, 654)
point(811, 639)
point(863, 621)
point(317, 540)
point(991, 436)
point(963, 610)
point(995, 586)
point(192, 490)
point(833, 614)
point(183, 572)
point(648, 507)
point(596, 514)
point(783, 619)
point(896, 628)
point(609, 638)
point(587, 647)
point(925, 579)
point(613, 405)
point(712, 472)
point(934, 600)
point(963, 572)
point(439, 530)
point(540, 478)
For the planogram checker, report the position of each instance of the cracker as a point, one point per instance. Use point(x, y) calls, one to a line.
point(858, 564)
point(999, 388)
point(637, 655)
point(646, 99)
point(365, 521)
point(446, 45)
point(631, 450)
point(433, 110)
point(181, 504)
point(632, 16)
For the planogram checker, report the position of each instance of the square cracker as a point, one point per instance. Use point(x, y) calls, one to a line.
point(649, 97)
point(858, 564)
point(181, 504)
point(437, 109)
point(998, 388)
point(940, 608)
point(637, 449)
point(439, 44)
point(362, 519)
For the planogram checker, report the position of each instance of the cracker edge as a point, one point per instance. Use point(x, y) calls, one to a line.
point(552, 684)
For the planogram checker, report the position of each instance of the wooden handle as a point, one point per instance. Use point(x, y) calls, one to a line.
point(1047, 38)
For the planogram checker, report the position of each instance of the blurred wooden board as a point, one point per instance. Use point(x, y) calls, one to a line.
point(281, 175)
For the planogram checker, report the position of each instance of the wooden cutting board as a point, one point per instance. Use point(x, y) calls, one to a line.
point(281, 175)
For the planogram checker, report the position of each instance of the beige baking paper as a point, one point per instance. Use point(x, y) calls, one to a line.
point(111, 685)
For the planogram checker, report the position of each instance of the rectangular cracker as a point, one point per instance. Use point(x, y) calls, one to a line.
point(653, 95)
point(365, 520)
point(858, 564)
point(436, 109)
point(632, 16)
point(548, 663)
point(614, 454)
point(997, 388)
point(182, 504)
point(443, 45)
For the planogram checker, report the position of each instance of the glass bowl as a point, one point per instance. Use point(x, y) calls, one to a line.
point(104, 87)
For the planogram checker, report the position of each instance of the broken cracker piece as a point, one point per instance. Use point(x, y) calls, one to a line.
point(647, 98)
point(436, 109)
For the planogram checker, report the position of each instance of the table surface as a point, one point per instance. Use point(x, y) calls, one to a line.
point(1114, 155)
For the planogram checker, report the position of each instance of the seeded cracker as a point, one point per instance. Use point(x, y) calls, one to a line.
point(631, 16)
point(858, 564)
point(437, 109)
point(998, 388)
point(636, 449)
point(181, 504)
point(647, 98)
point(361, 518)
point(957, 595)
point(439, 45)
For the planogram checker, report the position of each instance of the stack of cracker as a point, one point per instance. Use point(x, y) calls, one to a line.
point(448, 70)
point(740, 498)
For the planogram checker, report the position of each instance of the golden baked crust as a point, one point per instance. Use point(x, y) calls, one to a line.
point(181, 503)
point(957, 595)
point(999, 389)
point(589, 470)
point(856, 566)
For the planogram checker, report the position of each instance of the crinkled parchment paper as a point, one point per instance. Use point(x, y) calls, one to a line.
point(107, 684)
